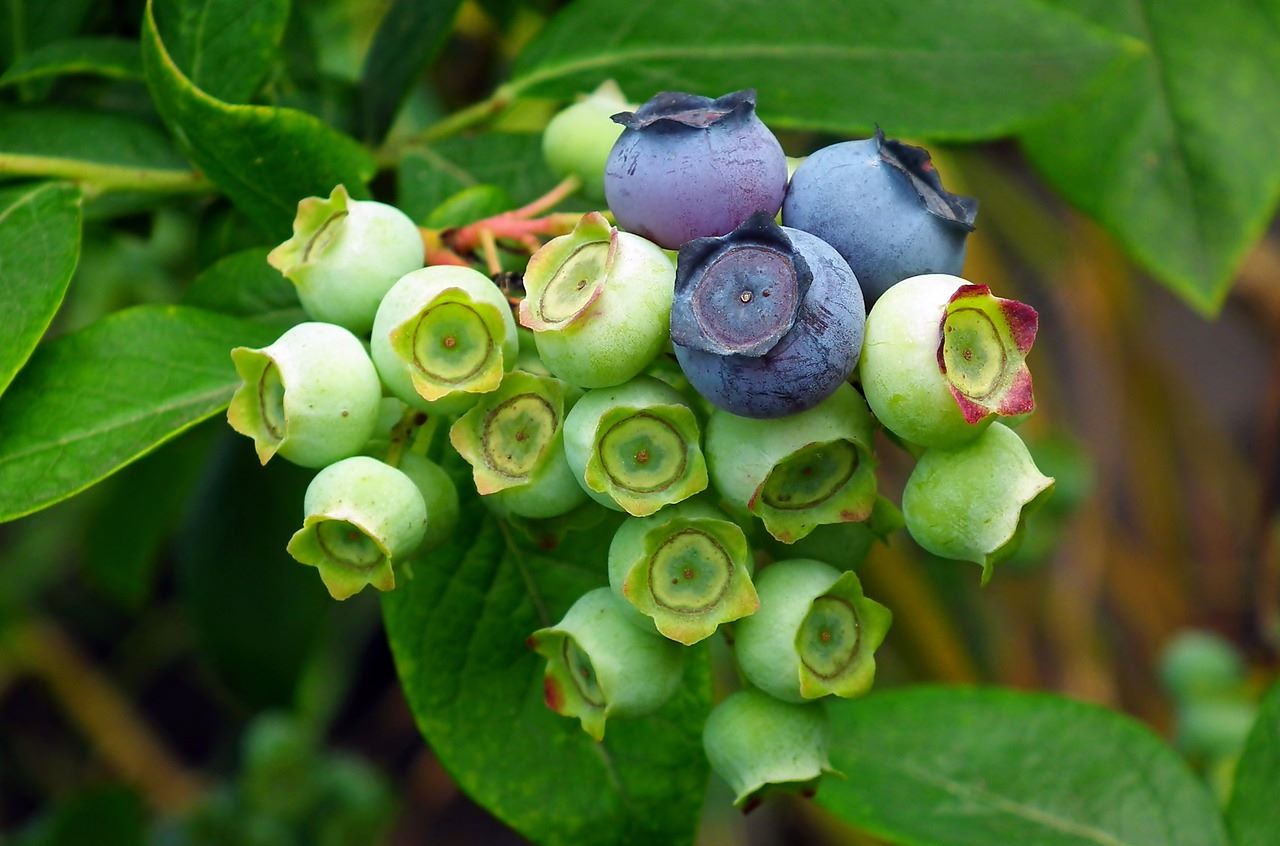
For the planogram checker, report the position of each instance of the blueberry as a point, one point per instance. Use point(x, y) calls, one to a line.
point(881, 204)
point(688, 167)
point(767, 321)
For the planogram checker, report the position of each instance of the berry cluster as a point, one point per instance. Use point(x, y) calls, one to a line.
point(757, 447)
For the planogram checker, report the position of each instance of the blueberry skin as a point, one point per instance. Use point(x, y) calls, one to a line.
point(801, 365)
point(689, 167)
point(881, 204)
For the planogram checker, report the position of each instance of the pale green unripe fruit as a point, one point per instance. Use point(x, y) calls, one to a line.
point(686, 568)
point(1201, 664)
point(942, 358)
point(968, 502)
point(439, 495)
point(601, 665)
point(635, 447)
point(815, 633)
point(345, 255)
point(797, 472)
point(442, 336)
point(312, 397)
point(362, 516)
point(513, 438)
point(599, 303)
point(578, 139)
point(755, 742)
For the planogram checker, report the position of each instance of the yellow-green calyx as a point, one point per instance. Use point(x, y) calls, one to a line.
point(511, 433)
point(645, 458)
point(568, 274)
point(693, 575)
point(316, 226)
point(837, 641)
point(257, 407)
point(820, 483)
point(454, 343)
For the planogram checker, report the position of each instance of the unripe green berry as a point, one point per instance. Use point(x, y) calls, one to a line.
point(942, 358)
point(1201, 664)
point(635, 447)
point(968, 502)
point(599, 303)
point(313, 396)
point(442, 336)
point(362, 516)
point(439, 495)
point(797, 472)
point(601, 665)
point(686, 568)
point(513, 438)
point(815, 633)
point(578, 139)
point(754, 742)
point(345, 255)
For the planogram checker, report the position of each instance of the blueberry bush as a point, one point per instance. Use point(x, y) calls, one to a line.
point(561, 422)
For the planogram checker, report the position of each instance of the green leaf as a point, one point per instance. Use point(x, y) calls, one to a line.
point(265, 159)
point(113, 58)
point(936, 766)
point(1252, 814)
point(27, 25)
point(410, 34)
point(256, 612)
point(107, 816)
point(225, 47)
point(105, 151)
point(244, 284)
point(457, 629)
point(1177, 158)
point(431, 174)
point(39, 248)
point(932, 68)
point(93, 401)
point(138, 511)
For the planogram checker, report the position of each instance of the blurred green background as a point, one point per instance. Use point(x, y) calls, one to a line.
point(168, 675)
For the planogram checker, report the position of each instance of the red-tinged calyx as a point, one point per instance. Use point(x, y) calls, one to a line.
point(570, 686)
point(982, 353)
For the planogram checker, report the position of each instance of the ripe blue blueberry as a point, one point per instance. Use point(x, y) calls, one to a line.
point(688, 167)
point(767, 321)
point(881, 204)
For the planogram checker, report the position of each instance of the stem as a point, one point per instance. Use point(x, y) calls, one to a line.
point(489, 247)
point(101, 178)
point(402, 433)
point(548, 200)
point(468, 237)
point(103, 713)
point(464, 118)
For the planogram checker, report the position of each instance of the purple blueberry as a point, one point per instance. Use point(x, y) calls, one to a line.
point(881, 204)
point(767, 321)
point(689, 167)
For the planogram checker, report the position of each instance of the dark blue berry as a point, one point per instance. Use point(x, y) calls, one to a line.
point(881, 204)
point(767, 321)
point(689, 167)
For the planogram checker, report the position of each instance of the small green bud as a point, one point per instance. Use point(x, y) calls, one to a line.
point(513, 438)
point(599, 303)
point(313, 396)
point(815, 633)
point(942, 358)
point(1201, 664)
point(797, 472)
point(578, 139)
point(362, 516)
point(686, 568)
point(601, 665)
point(755, 742)
point(443, 335)
point(345, 255)
point(968, 502)
point(635, 447)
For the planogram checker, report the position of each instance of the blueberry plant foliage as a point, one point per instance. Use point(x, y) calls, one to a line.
point(509, 584)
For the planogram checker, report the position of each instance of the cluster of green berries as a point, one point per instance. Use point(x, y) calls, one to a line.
point(696, 367)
